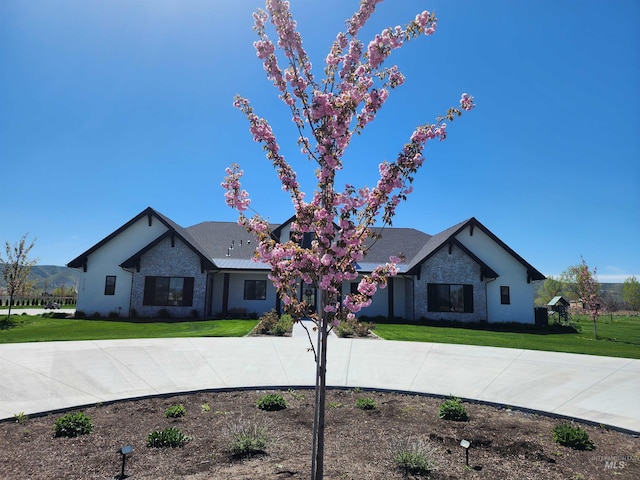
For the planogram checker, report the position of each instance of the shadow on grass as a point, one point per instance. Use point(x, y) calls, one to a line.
point(515, 327)
point(146, 320)
point(7, 323)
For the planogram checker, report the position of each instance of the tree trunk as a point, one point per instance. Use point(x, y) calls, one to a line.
point(317, 460)
point(10, 306)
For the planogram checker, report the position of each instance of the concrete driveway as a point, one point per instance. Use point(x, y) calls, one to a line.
point(42, 377)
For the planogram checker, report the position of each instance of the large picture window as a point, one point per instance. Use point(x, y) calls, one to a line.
point(168, 291)
point(255, 289)
point(445, 297)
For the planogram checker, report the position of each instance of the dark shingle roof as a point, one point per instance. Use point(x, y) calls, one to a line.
point(400, 242)
point(229, 245)
point(222, 240)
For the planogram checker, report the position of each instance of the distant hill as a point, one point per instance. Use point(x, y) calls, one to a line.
point(48, 277)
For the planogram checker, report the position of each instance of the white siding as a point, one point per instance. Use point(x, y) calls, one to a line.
point(105, 260)
point(380, 301)
point(236, 299)
point(511, 273)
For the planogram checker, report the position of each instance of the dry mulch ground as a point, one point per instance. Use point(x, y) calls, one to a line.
point(505, 444)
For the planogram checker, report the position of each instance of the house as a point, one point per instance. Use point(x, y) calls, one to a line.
point(152, 266)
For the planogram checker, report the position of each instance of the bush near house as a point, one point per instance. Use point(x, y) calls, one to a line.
point(354, 328)
point(273, 324)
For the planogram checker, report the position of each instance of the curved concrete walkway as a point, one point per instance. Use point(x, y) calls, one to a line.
point(42, 377)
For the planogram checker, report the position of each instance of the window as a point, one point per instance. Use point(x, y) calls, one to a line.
point(255, 289)
point(110, 285)
point(444, 297)
point(168, 291)
point(504, 296)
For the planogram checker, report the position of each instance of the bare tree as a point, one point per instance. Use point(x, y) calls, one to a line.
point(16, 268)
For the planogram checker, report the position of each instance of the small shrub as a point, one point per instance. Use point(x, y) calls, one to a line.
point(283, 325)
point(113, 314)
point(80, 314)
point(171, 437)
point(572, 436)
point(267, 322)
point(247, 439)
point(353, 328)
point(366, 404)
point(73, 425)
point(164, 313)
point(453, 409)
point(412, 456)
point(272, 402)
point(205, 408)
point(175, 411)
point(20, 417)
point(195, 314)
point(296, 395)
point(272, 324)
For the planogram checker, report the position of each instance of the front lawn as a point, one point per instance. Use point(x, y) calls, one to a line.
point(618, 336)
point(45, 328)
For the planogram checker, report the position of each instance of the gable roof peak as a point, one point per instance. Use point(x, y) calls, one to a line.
point(80, 261)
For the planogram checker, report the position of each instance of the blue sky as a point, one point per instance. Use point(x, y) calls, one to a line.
point(107, 107)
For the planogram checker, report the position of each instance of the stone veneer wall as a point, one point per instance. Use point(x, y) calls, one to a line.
point(454, 268)
point(167, 261)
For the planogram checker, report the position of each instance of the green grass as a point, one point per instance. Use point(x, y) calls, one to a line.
point(42, 328)
point(618, 336)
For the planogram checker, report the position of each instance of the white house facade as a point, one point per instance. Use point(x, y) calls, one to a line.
point(151, 266)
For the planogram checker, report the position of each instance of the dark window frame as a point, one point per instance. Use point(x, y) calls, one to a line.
point(505, 295)
point(255, 289)
point(164, 291)
point(110, 285)
point(450, 297)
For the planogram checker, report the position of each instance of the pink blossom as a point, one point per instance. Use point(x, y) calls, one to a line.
point(327, 114)
point(466, 102)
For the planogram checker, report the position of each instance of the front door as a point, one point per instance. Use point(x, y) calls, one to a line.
point(308, 295)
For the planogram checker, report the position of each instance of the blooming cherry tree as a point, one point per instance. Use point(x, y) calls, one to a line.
point(327, 113)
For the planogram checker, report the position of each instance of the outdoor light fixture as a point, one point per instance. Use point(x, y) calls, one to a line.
point(124, 451)
point(464, 444)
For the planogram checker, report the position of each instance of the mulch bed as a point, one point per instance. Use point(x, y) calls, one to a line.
point(505, 444)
